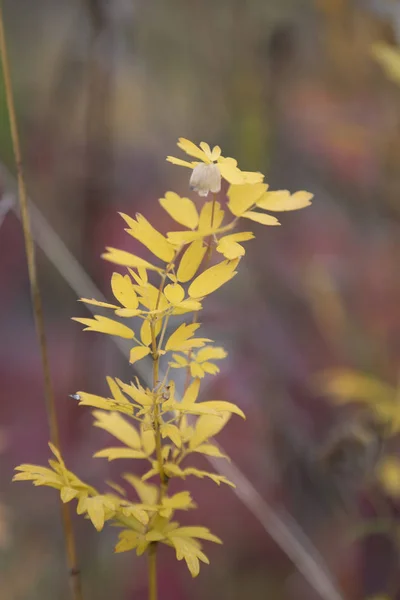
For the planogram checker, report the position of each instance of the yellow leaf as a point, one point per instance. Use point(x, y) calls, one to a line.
point(191, 261)
point(229, 171)
point(211, 216)
point(119, 489)
point(187, 306)
point(221, 406)
point(212, 279)
point(151, 473)
point(148, 440)
point(282, 200)
point(180, 162)
point(174, 293)
point(95, 510)
point(127, 259)
point(181, 500)
point(39, 475)
point(202, 533)
point(173, 470)
point(389, 475)
point(104, 403)
point(191, 149)
point(182, 210)
point(196, 370)
point(172, 432)
point(192, 409)
point(116, 392)
point(229, 247)
point(137, 353)
point(389, 59)
point(128, 312)
point(105, 325)
point(147, 492)
point(181, 335)
point(68, 494)
point(190, 396)
point(119, 452)
point(231, 250)
point(218, 479)
point(260, 218)
point(136, 393)
point(347, 386)
point(124, 291)
point(210, 368)
point(241, 236)
point(210, 450)
point(81, 507)
point(151, 297)
point(210, 353)
point(97, 303)
point(181, 360)
point(133, 511)
point(242, 197)
point(206, 427)
point(154, 536)
point(143, 231)
point(188, 552)
point(118, 427)
point(252, 177)
point(145, 333)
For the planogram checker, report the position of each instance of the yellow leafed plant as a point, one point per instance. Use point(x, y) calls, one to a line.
point(159, 424)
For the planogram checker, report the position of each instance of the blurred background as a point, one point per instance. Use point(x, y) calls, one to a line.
point(103, 89)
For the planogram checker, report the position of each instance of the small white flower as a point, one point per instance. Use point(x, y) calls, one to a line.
point(205, 178)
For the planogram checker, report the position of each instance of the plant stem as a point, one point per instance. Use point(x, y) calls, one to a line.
point(37, 307)
point(153, 571)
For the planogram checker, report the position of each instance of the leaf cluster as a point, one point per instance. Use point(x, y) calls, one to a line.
point(156, 424)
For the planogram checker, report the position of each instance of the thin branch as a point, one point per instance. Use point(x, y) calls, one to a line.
point(37, 304)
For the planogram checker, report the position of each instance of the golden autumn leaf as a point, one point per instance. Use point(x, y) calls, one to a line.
point(137, 353)
point(213, 278)
point(283, 200)
point(260, 218)
point(127, 259)
point(145, 233)
point(191, 261)
point(242, 197)
point(124, 291)
point(106, 325)
point(119, 427)
point(182, 210)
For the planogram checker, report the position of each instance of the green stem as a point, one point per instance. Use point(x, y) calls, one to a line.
point(153, 571)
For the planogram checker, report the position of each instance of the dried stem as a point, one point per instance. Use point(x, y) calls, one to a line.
point(37, 306)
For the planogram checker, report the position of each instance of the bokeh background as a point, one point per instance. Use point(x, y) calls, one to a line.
point(103, 89)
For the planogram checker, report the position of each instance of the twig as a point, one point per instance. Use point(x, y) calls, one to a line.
point(37, 305)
